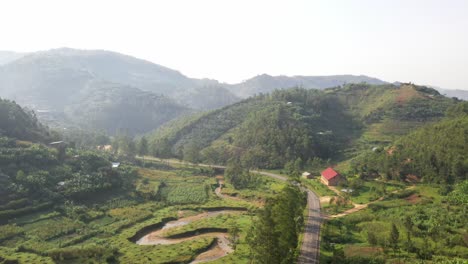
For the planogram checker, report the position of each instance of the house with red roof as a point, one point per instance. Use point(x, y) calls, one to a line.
point(330, 177)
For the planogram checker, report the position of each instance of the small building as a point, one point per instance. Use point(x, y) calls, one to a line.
point(61, 185)
point(115, 164)
point(57, 144)
point(104, 147)
point(330, 177)
point(306, 175)
point(347, 190)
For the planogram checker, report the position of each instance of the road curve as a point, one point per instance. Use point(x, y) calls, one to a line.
point(311, 241)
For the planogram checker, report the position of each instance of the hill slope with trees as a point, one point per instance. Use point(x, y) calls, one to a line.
point(50, 76)
point(16, 122)
point(287, 125)
point(433, 153)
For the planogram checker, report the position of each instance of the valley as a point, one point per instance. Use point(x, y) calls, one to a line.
point(143, 170)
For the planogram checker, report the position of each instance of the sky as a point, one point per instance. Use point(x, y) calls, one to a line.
point(419, 41)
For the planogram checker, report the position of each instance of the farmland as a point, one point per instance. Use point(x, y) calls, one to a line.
point(420, 218)
point(104, 229)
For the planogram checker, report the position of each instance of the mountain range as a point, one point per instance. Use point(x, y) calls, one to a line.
point(68, 86)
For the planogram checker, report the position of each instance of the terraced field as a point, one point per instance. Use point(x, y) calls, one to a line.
point(106, 228)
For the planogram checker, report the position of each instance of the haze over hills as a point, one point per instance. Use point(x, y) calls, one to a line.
point(118, 108)
point(19, 123)
point(9, 56)
point(266, 83)
point(460, 94)
point(37, 71)
point(63, 82)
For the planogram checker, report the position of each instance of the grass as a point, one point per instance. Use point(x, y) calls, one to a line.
point(432, 229)
point(333, 209)
point(93, 231)
point(318, 187)
point(429, 192)
point(220, 221)
point(373, 190)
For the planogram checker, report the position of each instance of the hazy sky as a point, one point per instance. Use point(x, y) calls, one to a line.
point(422, 41)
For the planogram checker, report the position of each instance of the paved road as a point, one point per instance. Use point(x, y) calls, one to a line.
point(311, 241)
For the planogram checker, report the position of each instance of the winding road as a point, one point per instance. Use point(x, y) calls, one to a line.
point(311, 241)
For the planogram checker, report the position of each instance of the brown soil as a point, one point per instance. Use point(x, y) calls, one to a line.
point(219, 250)
point(325, 199)
point(351, 251)
point(405, 93)
point(411, 178)
point(414, 199)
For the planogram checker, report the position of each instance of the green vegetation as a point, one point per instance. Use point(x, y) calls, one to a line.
point(270, 131)
point(317, 186)
point(64, 203)
point(274, 236)
point(185, 194)
point(75, 208)
point(434, 153)
point(406, 227)
point(19, 123)
point(113, 108)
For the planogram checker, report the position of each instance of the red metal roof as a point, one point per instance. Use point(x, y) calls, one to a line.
point(329, 173)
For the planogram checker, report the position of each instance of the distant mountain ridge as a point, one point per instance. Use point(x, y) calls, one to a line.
point(108, 66)
point(460, 94)
point(54, 81)
point(266, 83)
point(9, 56)
point(76, 87)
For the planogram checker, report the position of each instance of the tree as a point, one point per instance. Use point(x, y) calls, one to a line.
point(143, 147)
point(371, 238)
point(394, 237)
point(234, 234)
point(274, 236)
point(263, 240)
point(409, 227)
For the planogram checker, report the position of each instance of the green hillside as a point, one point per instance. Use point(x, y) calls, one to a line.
point(19, 123)
point(64, 205)
point(112, 108)
point(286, 125)
point(433, 153)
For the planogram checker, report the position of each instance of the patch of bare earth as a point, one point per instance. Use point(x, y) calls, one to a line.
point(352, 251)
point(413, 199)
point(218, 250)
point(405, 93)
point(325, 199)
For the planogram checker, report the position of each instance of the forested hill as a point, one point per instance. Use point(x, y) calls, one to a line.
point(16, 122)
point(433, 153)
point(47, 79)
point(299, 124)
point(116, 108)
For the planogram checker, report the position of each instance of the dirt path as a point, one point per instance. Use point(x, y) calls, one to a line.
point(218, 250)
point(359, 207)
point(311, 242)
